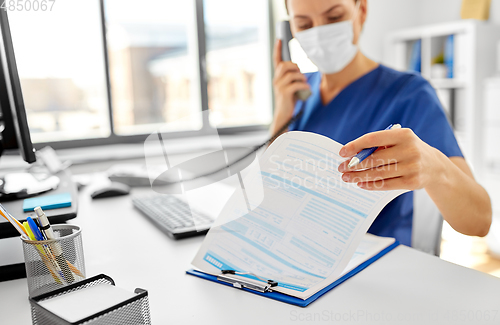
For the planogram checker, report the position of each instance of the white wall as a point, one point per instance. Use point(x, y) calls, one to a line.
point(279, 10)
point(388, 15)
point(437, 11)
point(385, 16)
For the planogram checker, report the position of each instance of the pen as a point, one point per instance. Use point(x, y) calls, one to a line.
point(46, 260)
point(39, 237)
point(25, 231)
point(55, 247)
point(42, 253)
point(365, 153)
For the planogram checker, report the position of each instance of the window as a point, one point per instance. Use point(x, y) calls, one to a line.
point(238, 63)
point(153, 64)
point(150, 67)
point(62, 72)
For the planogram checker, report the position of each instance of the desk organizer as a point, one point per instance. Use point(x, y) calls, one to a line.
point(130, 312)
point(39, 260)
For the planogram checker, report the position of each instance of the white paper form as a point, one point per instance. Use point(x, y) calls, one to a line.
point(369, 246)
point(308, 226)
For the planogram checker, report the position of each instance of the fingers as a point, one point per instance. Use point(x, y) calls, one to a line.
point(296, 86)
point(277, 53)
point(384, 185)
point(285, 67)
point(377, 139)
point(379, 158)
point(288, 79)
point(289, 90)
point(375, 174)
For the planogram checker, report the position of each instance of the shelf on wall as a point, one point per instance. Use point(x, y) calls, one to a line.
point(447, 83)
point(472, 60)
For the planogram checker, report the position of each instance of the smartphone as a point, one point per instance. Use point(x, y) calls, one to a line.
point(284, 33)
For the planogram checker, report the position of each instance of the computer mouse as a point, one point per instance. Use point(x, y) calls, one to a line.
point(110, 190)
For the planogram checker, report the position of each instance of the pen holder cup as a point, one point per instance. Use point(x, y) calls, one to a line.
point(53, 264)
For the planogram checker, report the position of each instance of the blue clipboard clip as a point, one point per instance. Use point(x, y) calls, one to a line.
point(264, 286)
point(265, 289)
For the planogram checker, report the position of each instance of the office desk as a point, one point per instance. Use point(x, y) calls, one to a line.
point(403, 287)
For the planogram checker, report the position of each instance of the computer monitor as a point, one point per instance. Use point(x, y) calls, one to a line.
point(15, 133)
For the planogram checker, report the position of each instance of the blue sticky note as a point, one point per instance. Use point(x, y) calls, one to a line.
point(50, 202)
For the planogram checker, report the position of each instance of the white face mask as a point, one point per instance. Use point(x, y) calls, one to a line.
point(330, 47)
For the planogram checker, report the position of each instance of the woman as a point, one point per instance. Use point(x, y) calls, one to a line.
point(355, 97)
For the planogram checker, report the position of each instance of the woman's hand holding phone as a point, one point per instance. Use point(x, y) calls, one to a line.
point(287, 81)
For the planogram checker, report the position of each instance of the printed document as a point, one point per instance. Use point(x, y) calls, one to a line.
point(309, 227)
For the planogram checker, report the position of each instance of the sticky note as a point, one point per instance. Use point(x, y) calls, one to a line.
point(50, 202)
point(86, 302)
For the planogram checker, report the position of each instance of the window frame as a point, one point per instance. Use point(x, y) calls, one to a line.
point(206, 129)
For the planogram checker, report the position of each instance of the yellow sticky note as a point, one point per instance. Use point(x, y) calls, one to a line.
point(476, 9)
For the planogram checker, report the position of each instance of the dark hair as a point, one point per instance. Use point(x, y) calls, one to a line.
point(286, 4)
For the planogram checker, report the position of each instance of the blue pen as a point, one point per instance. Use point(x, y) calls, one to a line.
point(365, 153)
point(34, 228)
point(38, 235)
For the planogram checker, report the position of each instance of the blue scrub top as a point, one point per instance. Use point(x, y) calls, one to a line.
point(382, 97)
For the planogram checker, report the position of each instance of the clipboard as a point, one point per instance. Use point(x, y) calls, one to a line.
point(293, 300)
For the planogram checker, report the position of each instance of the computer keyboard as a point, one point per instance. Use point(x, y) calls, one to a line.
point(173, 215)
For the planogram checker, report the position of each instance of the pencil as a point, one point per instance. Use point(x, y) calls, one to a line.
point(19, 227)
point(41, 252)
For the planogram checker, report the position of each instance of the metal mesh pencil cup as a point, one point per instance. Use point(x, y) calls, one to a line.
point(53, 264)
point(134, 311)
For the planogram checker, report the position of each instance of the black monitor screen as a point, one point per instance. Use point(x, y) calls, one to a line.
point(16, 133)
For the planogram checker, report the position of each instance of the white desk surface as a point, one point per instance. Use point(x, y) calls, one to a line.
point(403, 287)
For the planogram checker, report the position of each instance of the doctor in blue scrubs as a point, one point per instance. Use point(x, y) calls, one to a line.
point(354, 98)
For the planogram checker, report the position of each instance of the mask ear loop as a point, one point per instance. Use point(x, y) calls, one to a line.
point(358, 4)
